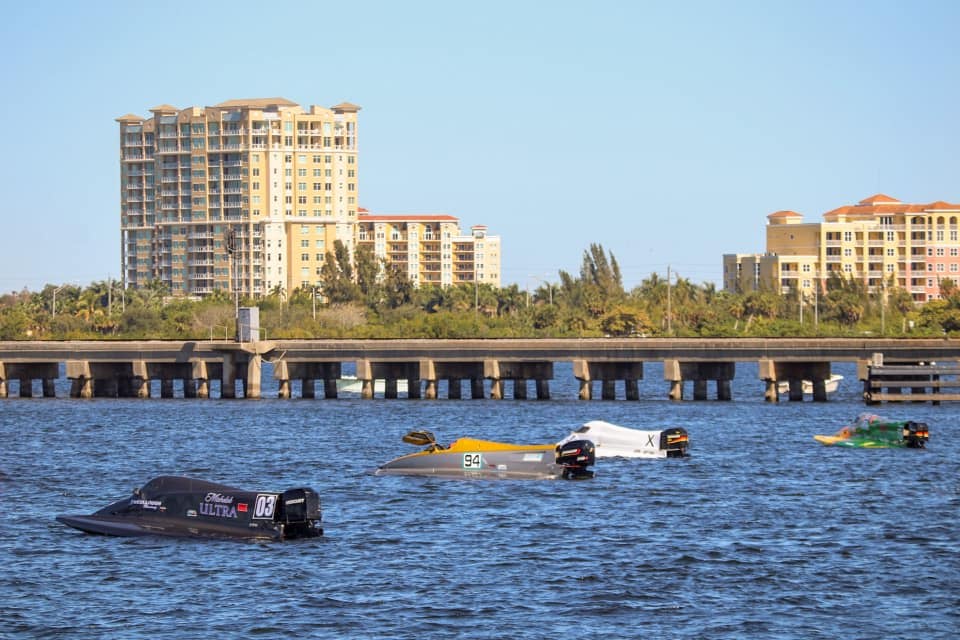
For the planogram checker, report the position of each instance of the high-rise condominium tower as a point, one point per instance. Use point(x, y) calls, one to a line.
point(246, 196)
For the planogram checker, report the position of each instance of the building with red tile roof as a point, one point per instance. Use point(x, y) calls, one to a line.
point(880, 240)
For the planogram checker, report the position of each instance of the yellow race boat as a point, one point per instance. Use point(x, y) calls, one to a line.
point(473, 458)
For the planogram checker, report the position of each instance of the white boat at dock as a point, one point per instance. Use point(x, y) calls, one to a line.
point(832, 384)
point(352, 384)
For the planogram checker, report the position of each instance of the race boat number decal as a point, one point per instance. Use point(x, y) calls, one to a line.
point(473, 461)
point(264, 506)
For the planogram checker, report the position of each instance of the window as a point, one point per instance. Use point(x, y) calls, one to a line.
point(889, 268)
point(848, 236)
point(891, 236)
point(848, 268)
point(304, 228)
point(319, 244)
point(305, 257)
point(301, 172)
point(317, 186)
point(848, 252)
point(319, 257)
point(304, 244)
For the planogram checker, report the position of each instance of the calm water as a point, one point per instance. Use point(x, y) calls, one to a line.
point(760, 533)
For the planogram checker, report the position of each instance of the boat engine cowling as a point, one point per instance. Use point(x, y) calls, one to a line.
point(575, 456)
point(915, 434)
point(300, 513)
point(674, 441)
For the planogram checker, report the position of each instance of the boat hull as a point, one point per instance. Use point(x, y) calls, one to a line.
point(614, 441)
point(185, 507)
point(831, 384)
point(525, 464)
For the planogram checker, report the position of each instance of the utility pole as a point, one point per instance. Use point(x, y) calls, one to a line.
point(816, 304)
point(883, 308)
point(669, 311)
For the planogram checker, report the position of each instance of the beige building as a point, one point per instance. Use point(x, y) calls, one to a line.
point(878, 240)
point(249, 196)
point(431, 249)
point(246, 195)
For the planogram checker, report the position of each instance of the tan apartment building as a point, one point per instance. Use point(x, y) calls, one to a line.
point(245, 195)
point(877, 240)
point(431, 248)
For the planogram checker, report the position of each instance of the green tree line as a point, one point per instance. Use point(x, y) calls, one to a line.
point(363, 297)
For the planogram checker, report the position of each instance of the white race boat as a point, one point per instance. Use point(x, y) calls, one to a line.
point(615, 441)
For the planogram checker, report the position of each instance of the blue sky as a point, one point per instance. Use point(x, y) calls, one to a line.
point(664, 131)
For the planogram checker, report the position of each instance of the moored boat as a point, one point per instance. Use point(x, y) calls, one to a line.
point(473, 458)
point(832, 384)
point(870, 431)
point(352, 384)
point(186, 507)
point(612, 440)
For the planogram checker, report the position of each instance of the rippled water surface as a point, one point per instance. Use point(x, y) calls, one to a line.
point(760, 533)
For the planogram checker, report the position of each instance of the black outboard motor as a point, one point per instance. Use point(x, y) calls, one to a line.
point(300, 513)
point(675, 442)
point(575, 456)
point(915, 434)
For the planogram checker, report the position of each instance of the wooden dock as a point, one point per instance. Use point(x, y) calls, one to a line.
point(924, 382)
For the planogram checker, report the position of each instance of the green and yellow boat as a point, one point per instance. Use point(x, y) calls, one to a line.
point(870, 431)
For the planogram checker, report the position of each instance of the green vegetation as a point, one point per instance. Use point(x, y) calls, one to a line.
point(366, 299)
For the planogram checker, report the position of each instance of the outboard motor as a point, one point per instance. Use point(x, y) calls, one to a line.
point(575, 456)
point(915, 434)
point(674, 441)
point(300, 513)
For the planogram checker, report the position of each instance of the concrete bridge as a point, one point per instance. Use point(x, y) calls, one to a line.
point(126, 368)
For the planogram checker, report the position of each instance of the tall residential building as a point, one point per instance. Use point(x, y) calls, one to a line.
point(246, 195)
point(431, 249)
point(877, 240)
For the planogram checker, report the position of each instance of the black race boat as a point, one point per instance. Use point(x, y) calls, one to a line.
point(186, 507)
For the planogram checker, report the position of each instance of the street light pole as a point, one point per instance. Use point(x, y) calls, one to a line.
point(53, 312)
point(669, 311)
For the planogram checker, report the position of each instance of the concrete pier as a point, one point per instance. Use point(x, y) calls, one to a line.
point(773, 372)
point(700, 373)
